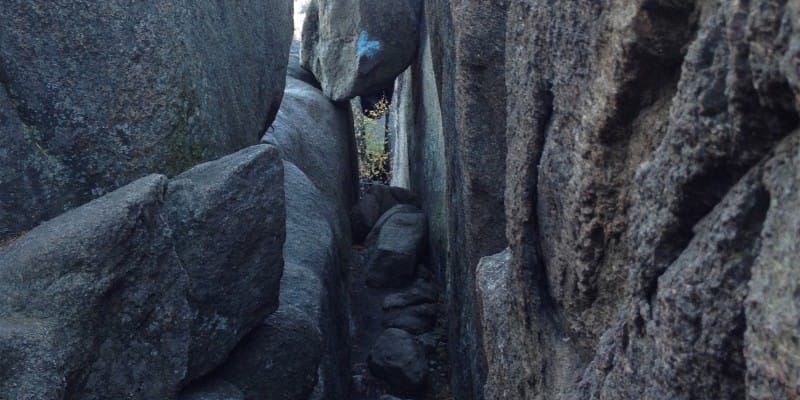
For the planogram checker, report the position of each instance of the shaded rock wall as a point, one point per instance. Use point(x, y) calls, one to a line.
point(649, 156)
point(450, 122)
point(93, 96)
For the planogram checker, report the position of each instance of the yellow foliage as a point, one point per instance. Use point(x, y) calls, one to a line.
point(373, 159)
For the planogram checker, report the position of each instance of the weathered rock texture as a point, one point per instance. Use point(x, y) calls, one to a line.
point(304, 347)
point(449, 119)
point(227, 220)
point(649, 150)
point(358, 47)
point(113, 299)
point(95, 95)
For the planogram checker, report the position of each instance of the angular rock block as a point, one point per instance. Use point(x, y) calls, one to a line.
point(395, 247)
point(228, 219)
point(399, 360)
point(358, 47)
point(95, 95)
point(93, 303)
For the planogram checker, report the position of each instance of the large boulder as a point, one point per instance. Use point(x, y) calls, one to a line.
point(399, 360)
point(315, 138)
point(358, 47)
point(316, 135)
point(395, 247)
point(227, 218)
point(146, 288)
point(95, 95)
point(279, 359)
point(93, 303)
point(285, 354)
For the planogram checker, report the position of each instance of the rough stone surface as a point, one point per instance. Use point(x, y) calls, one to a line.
point(649, 162)
point(316, 140)
point(396, 249)
point(420, 293)
point(358, 47)
point(95, 95)
point(398, 359)
point(228, 219)
point(450, 149)
point(93, 303)
point(316, 135)
point(212, 390)
point(377, 200)
point(279, 358)
point(416, 319)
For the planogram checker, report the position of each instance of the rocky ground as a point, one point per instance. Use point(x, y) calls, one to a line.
point(398, 321)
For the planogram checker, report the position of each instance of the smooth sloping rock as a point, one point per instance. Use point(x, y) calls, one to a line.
point(377, 199)
point(278, 359)
point(93, 303)
point(317, 136)
point(212, 390)
point(98, 94)
point(358, 47)
point(228, 219)
point(398, 359)
point(396, 250)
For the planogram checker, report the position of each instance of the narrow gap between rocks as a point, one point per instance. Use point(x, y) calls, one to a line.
point(398, 322)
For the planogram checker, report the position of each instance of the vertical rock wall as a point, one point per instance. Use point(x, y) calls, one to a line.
point(95, 95)
point(646, 159)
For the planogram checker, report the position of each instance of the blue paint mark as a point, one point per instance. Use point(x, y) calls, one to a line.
point(366, 47)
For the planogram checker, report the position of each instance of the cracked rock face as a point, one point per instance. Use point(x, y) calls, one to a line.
point(95, 95)
point(648, 194)
point(358, 47)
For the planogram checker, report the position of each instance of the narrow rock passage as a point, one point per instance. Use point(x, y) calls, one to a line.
point(397, 319)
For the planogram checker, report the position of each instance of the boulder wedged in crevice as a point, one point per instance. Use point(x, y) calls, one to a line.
point(358, 47)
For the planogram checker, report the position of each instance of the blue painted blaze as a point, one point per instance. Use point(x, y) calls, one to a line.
point(366, 47)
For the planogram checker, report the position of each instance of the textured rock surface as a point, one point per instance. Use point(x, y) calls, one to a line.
point(315, 138)
point(398, 359)
point(93, 303)
point(377, 200)
point(649, 180)
point(316, 135)
point(279, 359)
point(129, 296)
point(395, 247)
point(358, 47)
point(95, 95)
point(228, 219)
point(212, 390)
